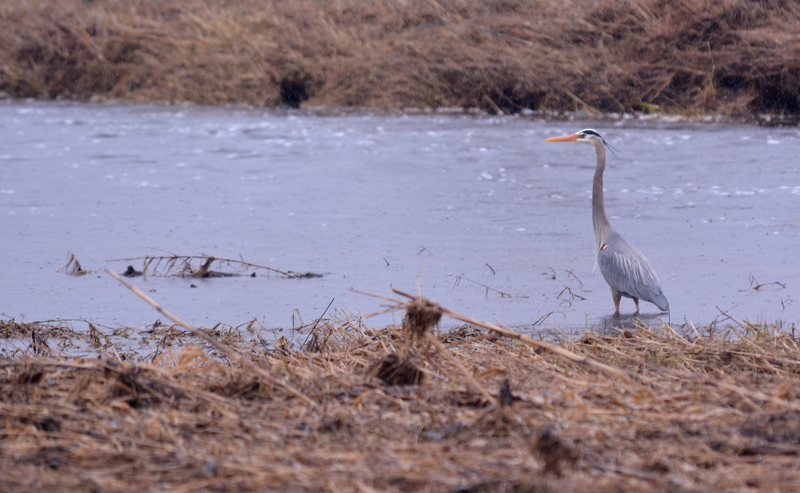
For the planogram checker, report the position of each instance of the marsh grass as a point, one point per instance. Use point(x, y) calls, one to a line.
point(700, 410)
point(723, 56)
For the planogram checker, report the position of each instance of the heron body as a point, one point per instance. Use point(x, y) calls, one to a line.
point(624, 268)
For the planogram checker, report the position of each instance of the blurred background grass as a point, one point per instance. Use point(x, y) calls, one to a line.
point(734, 57)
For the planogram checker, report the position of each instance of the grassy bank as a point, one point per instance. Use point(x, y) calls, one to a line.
point(733, 57)
point(400, 409)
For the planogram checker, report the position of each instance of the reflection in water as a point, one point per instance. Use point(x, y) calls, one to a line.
point(613, 324)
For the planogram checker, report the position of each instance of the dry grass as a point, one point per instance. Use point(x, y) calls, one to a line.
point(182, 266)
point(734, 57)
point(705, 412)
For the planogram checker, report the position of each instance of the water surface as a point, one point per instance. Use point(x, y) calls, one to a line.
point(478, 212)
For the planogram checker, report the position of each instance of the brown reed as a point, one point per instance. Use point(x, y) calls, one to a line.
point(711, 56)
point(703, 412)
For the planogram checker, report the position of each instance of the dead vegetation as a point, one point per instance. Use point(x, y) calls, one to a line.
point(725, 56)
point(73, 267)
point(183, 266)
point(695, 411)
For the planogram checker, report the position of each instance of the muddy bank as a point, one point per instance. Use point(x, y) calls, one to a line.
point(730, 57)
point(358, 409)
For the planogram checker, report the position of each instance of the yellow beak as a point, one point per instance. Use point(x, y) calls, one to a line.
point(563, 138)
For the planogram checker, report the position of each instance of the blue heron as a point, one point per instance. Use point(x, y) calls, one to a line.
point(624, 268)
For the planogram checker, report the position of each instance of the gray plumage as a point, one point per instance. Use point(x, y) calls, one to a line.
point(624, 268)
point(629, 273)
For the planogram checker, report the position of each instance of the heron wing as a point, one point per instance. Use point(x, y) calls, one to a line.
point(627, 271)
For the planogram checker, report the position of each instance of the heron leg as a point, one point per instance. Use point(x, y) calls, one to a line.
point(617, 298)
point(636, 300)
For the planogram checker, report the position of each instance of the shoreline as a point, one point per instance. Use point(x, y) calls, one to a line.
point(765, 120)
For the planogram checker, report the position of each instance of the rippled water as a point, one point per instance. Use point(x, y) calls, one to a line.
point(464, 207)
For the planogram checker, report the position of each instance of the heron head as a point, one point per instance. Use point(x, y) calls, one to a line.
point(587, 136)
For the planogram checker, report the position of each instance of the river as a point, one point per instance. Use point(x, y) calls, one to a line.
point(477, 212)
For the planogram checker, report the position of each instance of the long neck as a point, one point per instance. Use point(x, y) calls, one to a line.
point(602, 228)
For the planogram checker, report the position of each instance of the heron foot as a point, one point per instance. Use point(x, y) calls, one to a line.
point(637, 306)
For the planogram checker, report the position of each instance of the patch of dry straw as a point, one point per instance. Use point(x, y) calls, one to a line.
point(727, 56)
point(678, 413)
